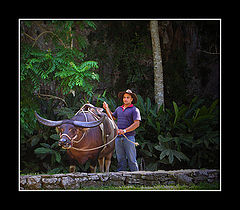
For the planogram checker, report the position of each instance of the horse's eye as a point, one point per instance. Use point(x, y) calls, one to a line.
point(72, 130)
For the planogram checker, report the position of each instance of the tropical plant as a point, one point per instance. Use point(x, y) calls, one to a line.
point(185, 133)
point(59, 64)
point(62, 63)
point(111, 101)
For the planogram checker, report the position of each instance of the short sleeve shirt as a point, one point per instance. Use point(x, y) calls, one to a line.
point(126, 117)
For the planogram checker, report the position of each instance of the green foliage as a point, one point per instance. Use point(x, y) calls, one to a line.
point(185, 136)
point(186, 133)
point(47, 149)
point(65, 113)
point(60, 64)
point(52, 156)
point(180, 136)
point(51, 58)
point(111, 101)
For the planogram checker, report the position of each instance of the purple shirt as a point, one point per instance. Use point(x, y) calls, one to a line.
point(126, 117)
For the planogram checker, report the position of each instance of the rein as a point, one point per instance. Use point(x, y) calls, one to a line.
point(94, 116)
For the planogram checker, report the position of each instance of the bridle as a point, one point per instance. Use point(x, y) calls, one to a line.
point(73, 138)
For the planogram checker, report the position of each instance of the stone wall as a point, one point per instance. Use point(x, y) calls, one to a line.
point(75, 181)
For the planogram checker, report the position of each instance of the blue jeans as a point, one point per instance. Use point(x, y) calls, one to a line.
point(126, 150)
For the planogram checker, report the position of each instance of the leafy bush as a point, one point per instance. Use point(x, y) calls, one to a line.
point(185, 133)
point(179, 137)
point(62, 64)
point(57, 62)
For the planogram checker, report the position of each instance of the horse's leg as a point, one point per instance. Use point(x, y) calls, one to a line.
point(101, 164)
point(107, 165)
point(108, 161)
point(93, 165)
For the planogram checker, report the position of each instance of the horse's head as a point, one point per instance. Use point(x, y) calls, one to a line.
point(69, 130)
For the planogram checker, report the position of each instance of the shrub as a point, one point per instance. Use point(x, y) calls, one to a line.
point(186, 133)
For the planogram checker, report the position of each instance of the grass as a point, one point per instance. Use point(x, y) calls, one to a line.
point(200, 186)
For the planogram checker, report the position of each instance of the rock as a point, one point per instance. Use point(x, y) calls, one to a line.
point(70, 183)
point(183, 179)
point(51, 183)
point(33, 182)
point(75, 181)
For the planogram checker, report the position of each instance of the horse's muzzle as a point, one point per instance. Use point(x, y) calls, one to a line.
point(64, 143)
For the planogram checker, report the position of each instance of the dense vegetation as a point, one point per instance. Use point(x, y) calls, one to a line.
point(64, 64)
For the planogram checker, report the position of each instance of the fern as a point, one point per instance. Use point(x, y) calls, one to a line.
point(61, 65)
point(73, 75)
point(64, 63)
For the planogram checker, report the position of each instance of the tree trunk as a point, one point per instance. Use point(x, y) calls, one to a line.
point(157, 60)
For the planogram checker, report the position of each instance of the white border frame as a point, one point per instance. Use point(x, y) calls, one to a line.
point(186, 19)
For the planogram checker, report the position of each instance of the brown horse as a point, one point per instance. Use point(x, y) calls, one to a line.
point(89, 135)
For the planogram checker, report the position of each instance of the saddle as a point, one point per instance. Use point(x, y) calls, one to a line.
point(107, 127)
